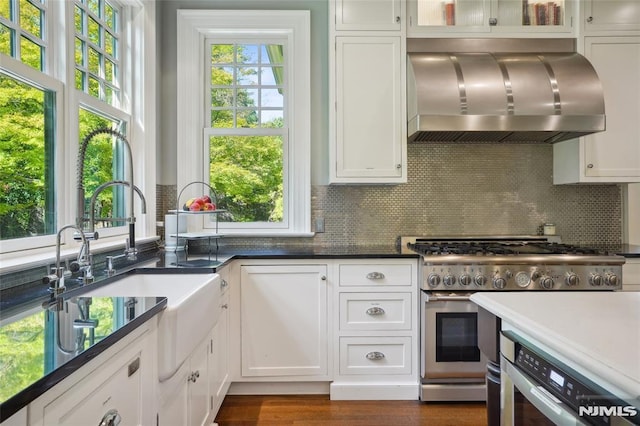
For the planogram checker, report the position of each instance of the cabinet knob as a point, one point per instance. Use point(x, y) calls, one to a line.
point(193, 377)
point(397, 19)
point(375, 310)
point(223, 284)
point(589, 166)
point(398, 166)
point(225, 306)
point(375, 276)
point(590, 19)
point(493, 21)
point(323, 277)
point(111, 418)
point(375, 356)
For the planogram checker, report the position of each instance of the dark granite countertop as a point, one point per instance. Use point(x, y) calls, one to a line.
point(51, 340)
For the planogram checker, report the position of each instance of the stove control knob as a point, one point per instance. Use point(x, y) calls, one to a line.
point(572, 279)
point(611, 279)
point(480, 280)
point(546, 282)
point(535, 275)
point(433, 280)
point(499, 283)
point(449, 280)
point(465, 279)
point(595, 279)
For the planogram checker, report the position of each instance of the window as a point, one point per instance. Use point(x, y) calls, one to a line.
point(97, 49)
point(27, 154)
point(248, 131)
point(62, 76)
point(252, 120)
point(22, 27)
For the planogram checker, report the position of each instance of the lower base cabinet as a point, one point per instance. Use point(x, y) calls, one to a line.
point(184, 398)
point(283, 317)
point(116, 388)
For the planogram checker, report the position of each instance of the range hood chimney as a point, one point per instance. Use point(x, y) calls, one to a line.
point(501, 91)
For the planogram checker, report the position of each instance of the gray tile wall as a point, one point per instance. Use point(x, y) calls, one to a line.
point(460, 190)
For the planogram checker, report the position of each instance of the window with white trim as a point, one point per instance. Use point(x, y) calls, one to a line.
point(62, 75)
point(252, 112)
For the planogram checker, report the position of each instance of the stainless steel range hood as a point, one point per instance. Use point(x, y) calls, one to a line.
point(501, 91)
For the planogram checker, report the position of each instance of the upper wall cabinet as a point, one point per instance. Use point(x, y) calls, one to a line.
point(367, 62)
point(611, 15)
point(375, 15)
point(520, 18)
point(613, 155)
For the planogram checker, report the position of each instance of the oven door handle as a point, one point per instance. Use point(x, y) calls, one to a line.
point(544, 401)
point(447, 297)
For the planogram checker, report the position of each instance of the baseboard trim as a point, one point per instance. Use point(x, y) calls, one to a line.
point(279, 388)
point(375, 392)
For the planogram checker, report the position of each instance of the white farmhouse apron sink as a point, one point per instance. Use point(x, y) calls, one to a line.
point(187, 318)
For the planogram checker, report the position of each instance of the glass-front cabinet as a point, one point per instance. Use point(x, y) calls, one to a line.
point(486, 16)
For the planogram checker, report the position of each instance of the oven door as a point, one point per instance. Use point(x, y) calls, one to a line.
point(450, 339)
point(525, 402)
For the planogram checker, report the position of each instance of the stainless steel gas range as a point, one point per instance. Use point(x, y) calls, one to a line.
point(452, 366)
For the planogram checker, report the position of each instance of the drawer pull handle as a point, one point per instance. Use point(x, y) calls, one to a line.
point(375, 356)
point(375, 310)
point(375, 276)
point(111, 418)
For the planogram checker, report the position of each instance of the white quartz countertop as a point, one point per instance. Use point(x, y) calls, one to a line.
point(598, 332)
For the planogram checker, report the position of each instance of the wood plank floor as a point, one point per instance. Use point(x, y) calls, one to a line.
point(319, 410)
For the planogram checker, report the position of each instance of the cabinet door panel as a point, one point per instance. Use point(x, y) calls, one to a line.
point(283, 312)
point(368, 15)
point(616, 151)
point(612, 15)
point(199, 385)
point(369, 107)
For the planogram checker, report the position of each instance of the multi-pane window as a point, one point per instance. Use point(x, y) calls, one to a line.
point(97, 49)
point(22, 27)
point(247, 133)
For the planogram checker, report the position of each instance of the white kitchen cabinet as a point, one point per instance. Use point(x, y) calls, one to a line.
point(17, 419)
point(612, 156)
point(631, 274)
point(184, 398)
point(283, 319)
point(219, 377)
point(377, 15)
point(376, 349)
point(518, 18)
point(611, 16)
point(370, 124)
point(118, 384)
point(367, 81)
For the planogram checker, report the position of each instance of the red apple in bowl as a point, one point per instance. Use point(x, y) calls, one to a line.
point(209, 206)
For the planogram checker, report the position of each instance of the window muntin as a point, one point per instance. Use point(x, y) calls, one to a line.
point(22, 29)
point(97, 49)
point(247, 139)
point(27, 159)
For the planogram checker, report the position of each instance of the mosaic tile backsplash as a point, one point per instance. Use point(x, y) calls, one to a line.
point(458, 190)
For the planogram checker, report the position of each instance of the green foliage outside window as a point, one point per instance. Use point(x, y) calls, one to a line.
point(247, 171)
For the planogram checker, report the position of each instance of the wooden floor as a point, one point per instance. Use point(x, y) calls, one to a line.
point(319, 410)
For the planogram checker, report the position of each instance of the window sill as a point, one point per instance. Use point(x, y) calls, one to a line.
point(19, 260)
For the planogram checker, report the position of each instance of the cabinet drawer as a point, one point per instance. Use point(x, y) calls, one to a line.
point(375, 355)
point(87, 404)
point(375, 311)
point(375, 274)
